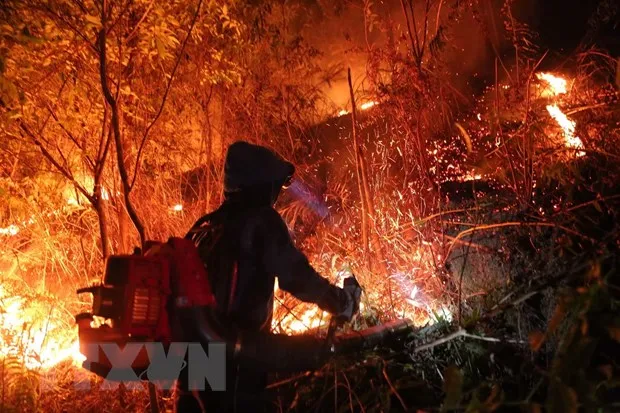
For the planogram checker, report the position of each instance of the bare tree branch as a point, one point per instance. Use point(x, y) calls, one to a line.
point(164, 98)
point(63, 171)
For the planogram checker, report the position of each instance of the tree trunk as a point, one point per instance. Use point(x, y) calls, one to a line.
point(375, 258)
point(103, 223)
point(117, 132)
point(359, 172)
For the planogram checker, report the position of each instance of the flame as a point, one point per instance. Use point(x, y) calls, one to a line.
point(556, 85)
point(177, 208)
point(10, 230)
point(367, 105)
point(568, 126)
point(363, 106)
point(75, 198)
point(34, 332)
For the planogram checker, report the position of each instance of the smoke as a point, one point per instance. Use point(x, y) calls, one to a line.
point(474, 39)
point(304, 194)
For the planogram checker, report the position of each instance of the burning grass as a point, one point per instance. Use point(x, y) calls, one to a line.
point(46, 256)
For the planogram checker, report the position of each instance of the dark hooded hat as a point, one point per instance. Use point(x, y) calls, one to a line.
point(250, 168)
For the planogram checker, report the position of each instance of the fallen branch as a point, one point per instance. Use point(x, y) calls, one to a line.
point(462, 333)
point(514, 224)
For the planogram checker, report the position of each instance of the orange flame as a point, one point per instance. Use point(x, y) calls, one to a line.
point(35, 333)
point(555, 84)
point(568, 126)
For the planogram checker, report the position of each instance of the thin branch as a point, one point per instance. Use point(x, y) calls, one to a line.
point(413, 46)
point(584, 108)
point(438, 17)
point(102, 140)
point(393, 390)
point(438, 342)
point(516, 224)
point(135, 29)
point(462, 333)
point(70, 136)
point(164, 98)
point(63, 171)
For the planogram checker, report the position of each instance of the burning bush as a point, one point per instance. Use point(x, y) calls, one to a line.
point(467, 222)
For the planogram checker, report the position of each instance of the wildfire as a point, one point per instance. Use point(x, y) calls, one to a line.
point(568, 126)
point(363, 106)
point(10, 230)
point(34, 333)
point(556, 85)
point(367, 105)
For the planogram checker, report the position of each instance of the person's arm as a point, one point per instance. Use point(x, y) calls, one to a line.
point(294, 272)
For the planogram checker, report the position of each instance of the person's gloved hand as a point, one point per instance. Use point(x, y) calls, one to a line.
point(353, 292)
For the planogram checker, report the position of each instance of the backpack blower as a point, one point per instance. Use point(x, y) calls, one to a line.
point(164, 296)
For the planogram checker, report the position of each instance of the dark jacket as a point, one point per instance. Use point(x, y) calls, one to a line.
point(245, 245)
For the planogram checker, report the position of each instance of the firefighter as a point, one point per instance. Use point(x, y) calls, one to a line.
point(245, 245)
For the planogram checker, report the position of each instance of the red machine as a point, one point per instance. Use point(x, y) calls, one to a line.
point(144, 298)
point(136, 299)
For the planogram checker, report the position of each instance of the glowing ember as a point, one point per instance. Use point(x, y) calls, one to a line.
point(470, 176)
point(343, 112)
point(568, 126)
point(557, 85)
point(10, 230)
point(177, 207)
point(33, 331)
point(367, 105)
point(310, 318)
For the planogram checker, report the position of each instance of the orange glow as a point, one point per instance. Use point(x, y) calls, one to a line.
point(555, 84)
point(363, 106)
point(367, 105)
point(568, 127)
point(35, 332)
point(10, 230)
point(87, 182)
